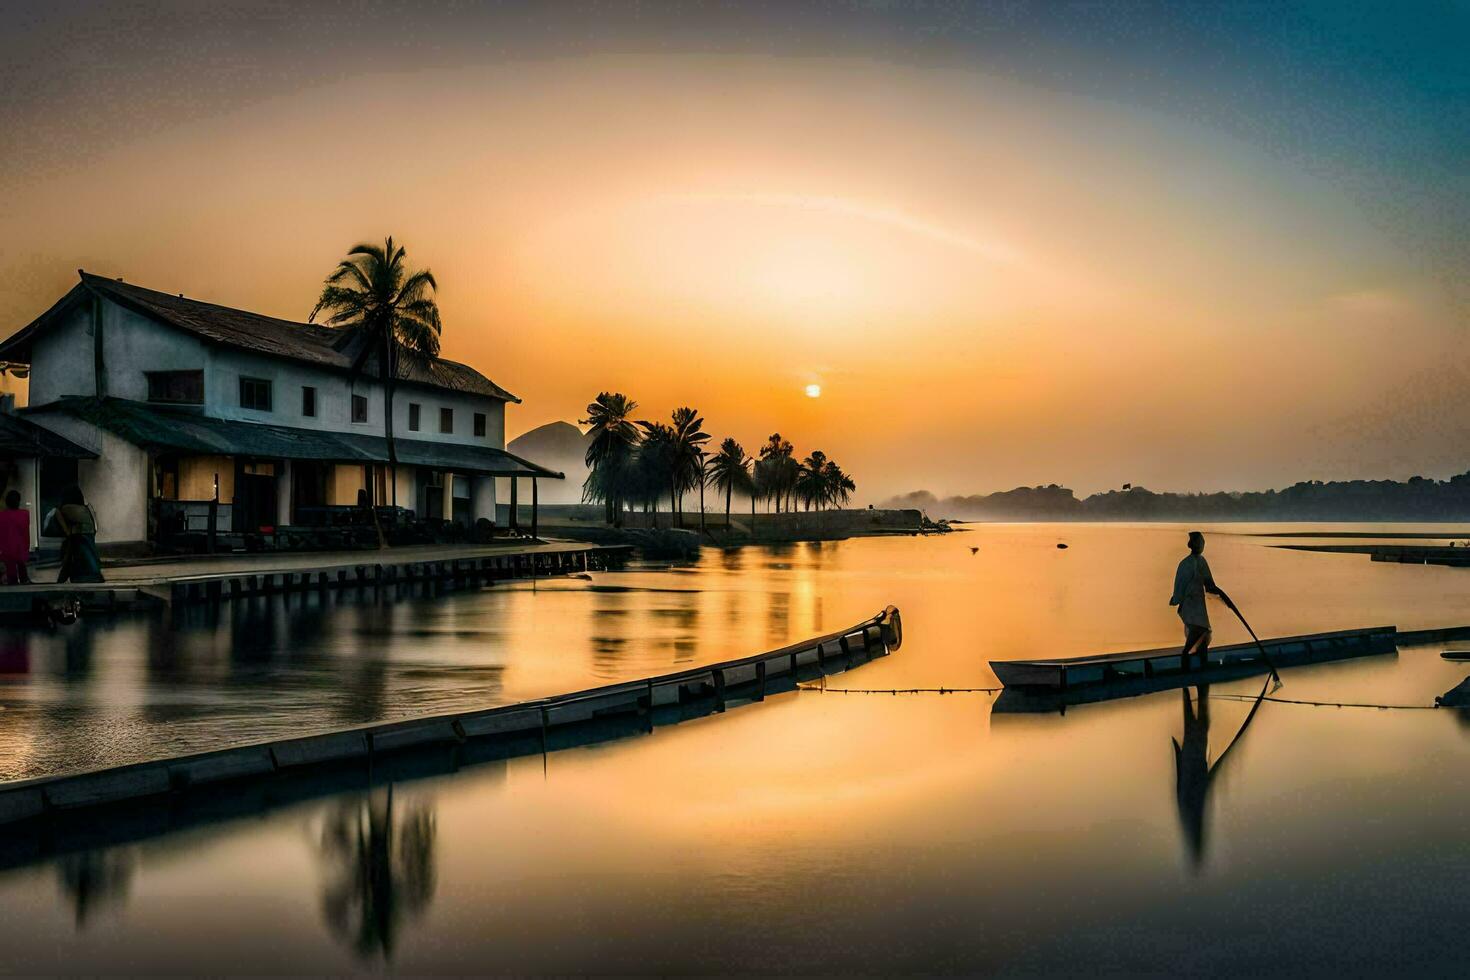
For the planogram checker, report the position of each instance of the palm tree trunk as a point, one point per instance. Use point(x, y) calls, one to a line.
point(387, 374)
point(701, 499)
point(728, 488)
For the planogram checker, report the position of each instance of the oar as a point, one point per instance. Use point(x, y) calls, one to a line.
point(1264, 655)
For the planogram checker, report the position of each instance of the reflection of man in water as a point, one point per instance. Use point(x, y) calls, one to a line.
point(1191, 581)
point(1192, 771)
point(1194, 775)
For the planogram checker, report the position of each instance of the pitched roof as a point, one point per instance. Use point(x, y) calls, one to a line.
point(22, 437)
point(186, 431)
point(315, 344)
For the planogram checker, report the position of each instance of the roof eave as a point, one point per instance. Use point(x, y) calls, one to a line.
point(17, 347)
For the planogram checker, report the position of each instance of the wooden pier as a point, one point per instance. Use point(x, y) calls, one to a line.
point(235, 576)
point(207, 779)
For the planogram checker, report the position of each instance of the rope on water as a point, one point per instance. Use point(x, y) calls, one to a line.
point(898, 690)
point(821, 689)
point(1328, 704)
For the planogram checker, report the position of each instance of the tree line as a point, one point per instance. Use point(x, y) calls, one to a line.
point(1416, 499)
point(636, 463)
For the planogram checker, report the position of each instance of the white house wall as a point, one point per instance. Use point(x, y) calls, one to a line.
point(115, 484)
point(66, 351)
point(133, 344)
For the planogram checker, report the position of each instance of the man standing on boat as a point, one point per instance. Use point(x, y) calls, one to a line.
point(1191, 581)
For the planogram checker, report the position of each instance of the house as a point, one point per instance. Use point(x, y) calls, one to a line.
point(163, 409)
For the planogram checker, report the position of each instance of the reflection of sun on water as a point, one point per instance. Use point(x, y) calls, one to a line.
point(814, 391)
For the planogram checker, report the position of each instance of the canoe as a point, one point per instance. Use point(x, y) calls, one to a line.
point(1060, 674)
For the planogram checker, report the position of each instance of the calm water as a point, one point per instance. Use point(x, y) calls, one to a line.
point(812, 832)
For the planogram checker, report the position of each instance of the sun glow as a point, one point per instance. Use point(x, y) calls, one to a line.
point(814, 391)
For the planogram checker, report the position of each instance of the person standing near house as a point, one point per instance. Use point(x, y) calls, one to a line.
point(78, 525)
point(15, 539)
point(1192, 579)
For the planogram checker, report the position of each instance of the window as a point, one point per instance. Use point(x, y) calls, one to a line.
point(479, 425)
point(446, 420)
point(413, 416)
point(255, 393)
point(359, 408)
point(308, 401)
point(176, 387)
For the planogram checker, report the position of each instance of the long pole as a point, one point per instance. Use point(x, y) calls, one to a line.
point(1264, 655)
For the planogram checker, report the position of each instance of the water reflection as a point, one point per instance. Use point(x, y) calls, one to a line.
point(94, 880)
point(379, 861)
point(15, 654)
point(908, 833)
point(1194, 775)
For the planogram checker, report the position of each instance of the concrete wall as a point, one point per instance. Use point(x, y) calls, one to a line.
point(115, 484)
point(62, 360)
point(132, 344)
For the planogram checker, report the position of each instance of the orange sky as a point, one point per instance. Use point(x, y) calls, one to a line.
point(994, 283)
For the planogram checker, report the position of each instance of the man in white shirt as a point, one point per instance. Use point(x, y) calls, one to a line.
point(1191, 581)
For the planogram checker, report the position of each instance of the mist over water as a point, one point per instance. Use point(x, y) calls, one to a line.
point(812, 832)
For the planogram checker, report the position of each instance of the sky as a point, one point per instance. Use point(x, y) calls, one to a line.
point(1185, 246)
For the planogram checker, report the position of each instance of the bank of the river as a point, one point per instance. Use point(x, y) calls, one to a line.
point(665, 534)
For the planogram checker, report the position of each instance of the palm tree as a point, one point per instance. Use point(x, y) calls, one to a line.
point(811, 480)
point(776, 465)
point(381, 873)
point(654, 466)
point(839, 486)
point(689, 438)
point(729, 470)
point(394, 310)
point(610, 453)
point(682, 454)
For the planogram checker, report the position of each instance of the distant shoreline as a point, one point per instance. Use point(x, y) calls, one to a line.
point(1417, 500)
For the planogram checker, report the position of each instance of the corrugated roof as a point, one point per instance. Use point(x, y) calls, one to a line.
point(187, 431)
point(309, 342)
point(22, 437)
point(453, 456)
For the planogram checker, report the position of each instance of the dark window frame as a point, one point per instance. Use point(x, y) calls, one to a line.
point(362, 401)
point(446, 421)
point(256, 386)
point(481, 424)
point(308, 401)
point(156, 379)
point(413, 416)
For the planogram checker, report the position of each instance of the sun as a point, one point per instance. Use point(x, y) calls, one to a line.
point(814, 391)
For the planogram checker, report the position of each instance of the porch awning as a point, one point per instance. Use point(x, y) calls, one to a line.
point(453, 456)
point(23, 438)
point(185, 431)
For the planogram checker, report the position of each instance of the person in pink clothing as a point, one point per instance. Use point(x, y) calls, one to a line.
point(15, 539)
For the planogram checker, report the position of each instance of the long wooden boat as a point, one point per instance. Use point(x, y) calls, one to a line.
point(1062, 674)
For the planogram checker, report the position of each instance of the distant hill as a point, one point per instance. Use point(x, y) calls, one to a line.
point(1416, 499)
point(559, 446)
